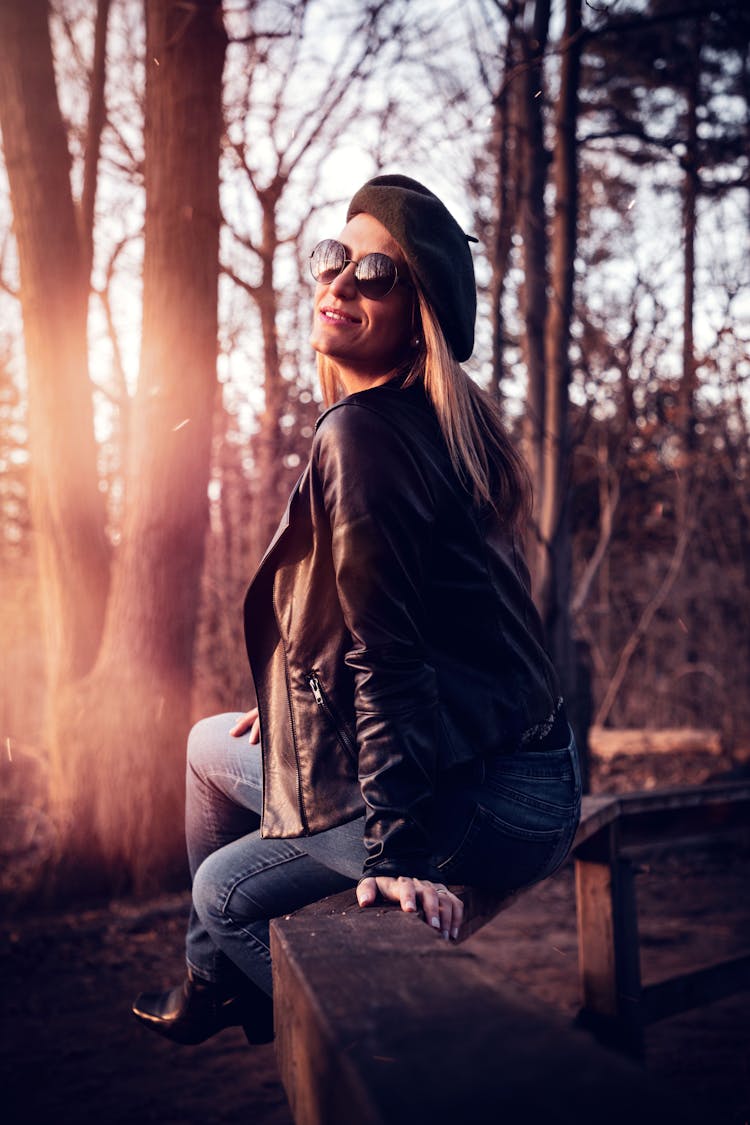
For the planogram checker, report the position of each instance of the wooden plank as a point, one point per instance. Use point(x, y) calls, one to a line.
point(683, 814)
point(608, 947)
point(627, 957)
point(692, 990)
point(684, 796)
point(663, 816)
point(596, 927)
point(686, 828)
point(382, 1022)
point(596, 813)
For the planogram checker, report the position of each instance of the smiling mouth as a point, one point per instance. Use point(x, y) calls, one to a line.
point(336, 316)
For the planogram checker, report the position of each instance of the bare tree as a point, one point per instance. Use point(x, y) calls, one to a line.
point(67, 506)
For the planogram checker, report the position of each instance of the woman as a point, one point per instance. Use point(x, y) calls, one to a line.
point(409, 731)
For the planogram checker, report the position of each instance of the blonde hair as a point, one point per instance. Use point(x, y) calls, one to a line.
point(470, 419)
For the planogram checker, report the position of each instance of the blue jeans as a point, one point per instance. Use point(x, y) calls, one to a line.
point(503, 823)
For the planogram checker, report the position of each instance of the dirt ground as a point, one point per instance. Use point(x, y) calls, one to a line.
point(71, 1052)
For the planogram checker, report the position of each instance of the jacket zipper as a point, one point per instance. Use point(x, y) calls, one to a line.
point(326, 707)
point(300, 798)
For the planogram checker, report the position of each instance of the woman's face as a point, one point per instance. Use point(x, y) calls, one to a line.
point(368, 339)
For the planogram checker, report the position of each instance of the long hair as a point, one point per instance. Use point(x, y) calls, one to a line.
point(470, 419)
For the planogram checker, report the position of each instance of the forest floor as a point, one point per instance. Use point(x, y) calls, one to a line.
point(71, 1052)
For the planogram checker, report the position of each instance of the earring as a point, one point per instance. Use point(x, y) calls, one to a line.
point(416, 341)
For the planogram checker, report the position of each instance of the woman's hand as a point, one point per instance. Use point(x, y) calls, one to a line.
point(442, 909)
point(248, 722)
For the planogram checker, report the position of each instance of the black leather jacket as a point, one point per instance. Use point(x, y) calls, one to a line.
point(390, 633)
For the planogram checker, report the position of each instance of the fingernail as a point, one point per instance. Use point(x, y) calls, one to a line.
point(446, 935)
point(454, 933)
point(435, 922)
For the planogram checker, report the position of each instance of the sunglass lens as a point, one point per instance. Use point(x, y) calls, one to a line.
point(376, 275)
point(327, 260)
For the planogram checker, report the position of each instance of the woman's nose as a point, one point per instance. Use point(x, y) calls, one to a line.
point(344, 284)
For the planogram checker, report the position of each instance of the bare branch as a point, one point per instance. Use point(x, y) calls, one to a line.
point(135, 167)
point(253, 290)
point(121, 394)
point(96, 119)
point(5, 286)
point(635, 638)
point(609, 498)
point(256, 36)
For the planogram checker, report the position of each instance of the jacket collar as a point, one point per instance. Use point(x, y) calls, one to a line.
point(394, 384)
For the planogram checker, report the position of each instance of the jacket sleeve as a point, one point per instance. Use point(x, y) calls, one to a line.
point(381, 514)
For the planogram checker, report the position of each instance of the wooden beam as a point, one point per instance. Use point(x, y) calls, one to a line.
point(691, 990)
point(684, 796)
point(596, 936)
point(381, 1022)
point(608, 948)
point(716, 817)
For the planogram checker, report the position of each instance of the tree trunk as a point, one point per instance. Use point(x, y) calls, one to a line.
point(547, 309)
point(553, 571)
point(67, 506)
point(505, 203)
point(689, 207)
point(131, 717)
point(530, 103)
point(269, 498)
point(555, 559)
point(96, 119)
point(688, 480)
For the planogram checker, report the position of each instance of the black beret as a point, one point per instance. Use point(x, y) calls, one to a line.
point(435, 247)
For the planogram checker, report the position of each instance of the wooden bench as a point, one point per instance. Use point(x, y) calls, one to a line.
point(380, 1021)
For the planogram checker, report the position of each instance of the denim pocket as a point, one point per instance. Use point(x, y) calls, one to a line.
point(499, 854)
point(525, 811)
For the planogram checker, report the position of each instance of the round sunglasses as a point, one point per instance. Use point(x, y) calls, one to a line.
point(375, 274)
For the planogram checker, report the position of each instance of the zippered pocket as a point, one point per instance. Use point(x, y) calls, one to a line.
point(326, 706)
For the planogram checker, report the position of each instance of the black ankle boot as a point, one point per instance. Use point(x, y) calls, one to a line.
point(196, 1009)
